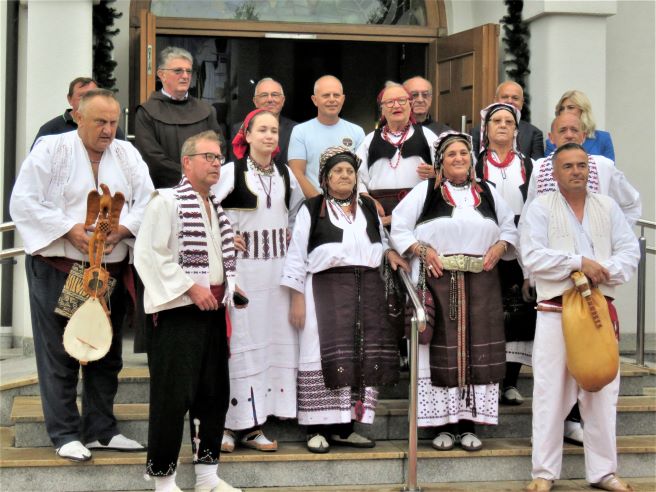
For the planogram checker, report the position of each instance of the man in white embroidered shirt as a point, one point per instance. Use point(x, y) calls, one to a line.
point(568, 230)
point(49, 207)
point(185, 255)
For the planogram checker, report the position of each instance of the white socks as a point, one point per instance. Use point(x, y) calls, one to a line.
point(165, 484)
point(206, 476)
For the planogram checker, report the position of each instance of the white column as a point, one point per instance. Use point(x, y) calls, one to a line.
point(55, 46)
point(568, 51)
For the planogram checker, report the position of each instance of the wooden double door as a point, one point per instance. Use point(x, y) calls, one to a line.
point(463, 67)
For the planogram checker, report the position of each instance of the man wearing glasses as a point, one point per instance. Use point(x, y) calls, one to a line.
point(185, 255)
point(270, 96)
point(421, 91)
point(170, 116)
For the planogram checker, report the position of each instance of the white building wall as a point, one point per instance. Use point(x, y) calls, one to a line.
point(606, 49)
point(55, 46)
point(630, 118)
point(575, 44)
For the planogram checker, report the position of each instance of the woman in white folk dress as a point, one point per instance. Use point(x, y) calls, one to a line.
point(260, 198)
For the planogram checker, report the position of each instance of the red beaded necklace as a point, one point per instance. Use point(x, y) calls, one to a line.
point(386, 132)
point(489, 159)
point(448, 198)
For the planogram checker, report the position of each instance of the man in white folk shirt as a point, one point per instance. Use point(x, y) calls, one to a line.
point(594, 237)
point(49, 206)
point(604, 178)
point(185, 255)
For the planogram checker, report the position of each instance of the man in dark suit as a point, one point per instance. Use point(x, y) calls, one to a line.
point(529, 138)
point(270, 96)
point(421, 91)
point(67, 122)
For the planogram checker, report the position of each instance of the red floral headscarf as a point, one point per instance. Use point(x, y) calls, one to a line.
point(239, 143)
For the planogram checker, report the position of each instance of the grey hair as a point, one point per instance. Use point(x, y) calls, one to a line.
point(391, 83)
point(171, 53)
point(189, 145)
point(106, 93)
point(267, 79)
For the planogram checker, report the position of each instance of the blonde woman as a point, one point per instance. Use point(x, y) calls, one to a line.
point(597, 142)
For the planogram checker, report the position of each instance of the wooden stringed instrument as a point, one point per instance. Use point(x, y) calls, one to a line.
point(88, 334)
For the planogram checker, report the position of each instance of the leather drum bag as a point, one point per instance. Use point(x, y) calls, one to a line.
point(591, 347)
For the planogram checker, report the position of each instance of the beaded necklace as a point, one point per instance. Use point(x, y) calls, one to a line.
point(489, 159)
point(403, 136)
point(334, 209)
point(342, 202)
point(448, 198)
point(265, 171)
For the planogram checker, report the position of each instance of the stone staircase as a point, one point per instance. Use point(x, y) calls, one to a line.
point(28, 462)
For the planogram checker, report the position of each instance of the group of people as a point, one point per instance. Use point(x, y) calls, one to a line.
point(262, 281)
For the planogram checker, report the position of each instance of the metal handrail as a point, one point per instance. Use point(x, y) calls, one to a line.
point(11, 252)
point(418, 325)
point(642, 289)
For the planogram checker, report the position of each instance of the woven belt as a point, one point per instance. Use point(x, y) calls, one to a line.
point(462, 263)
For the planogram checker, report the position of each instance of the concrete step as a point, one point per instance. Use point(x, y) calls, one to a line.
point(635, 416)
point(640, 484)
point(134, 384)
point(292, 465)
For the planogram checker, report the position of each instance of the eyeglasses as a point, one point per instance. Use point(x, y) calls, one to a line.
point(210, 157)
point(265, 95)
point(423, 94)
point(179, 71)
point(389, 103)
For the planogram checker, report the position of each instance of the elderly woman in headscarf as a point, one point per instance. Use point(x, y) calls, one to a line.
point(261, 198)
point(597, 142)
point(347, 346)
point(501, 164)
point(457, 229)
point(396, 156)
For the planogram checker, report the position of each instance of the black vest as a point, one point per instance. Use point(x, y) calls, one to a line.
point(435, 206)
point(323, 231)
point(414, 146)
point(241, 197)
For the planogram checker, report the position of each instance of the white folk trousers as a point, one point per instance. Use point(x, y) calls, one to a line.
point(554, 393)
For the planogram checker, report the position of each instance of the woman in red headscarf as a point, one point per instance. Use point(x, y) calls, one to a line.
point(261, 198)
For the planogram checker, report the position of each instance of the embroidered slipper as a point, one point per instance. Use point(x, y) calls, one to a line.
point(469, 441)
point(539, 485)
point(257, 440)
point(511, 396)
point(316, 443)
point(354, 440)
point(228, 441)
point(444, 441)
point(117, 443)
point(614, 483)
point(74, 451)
